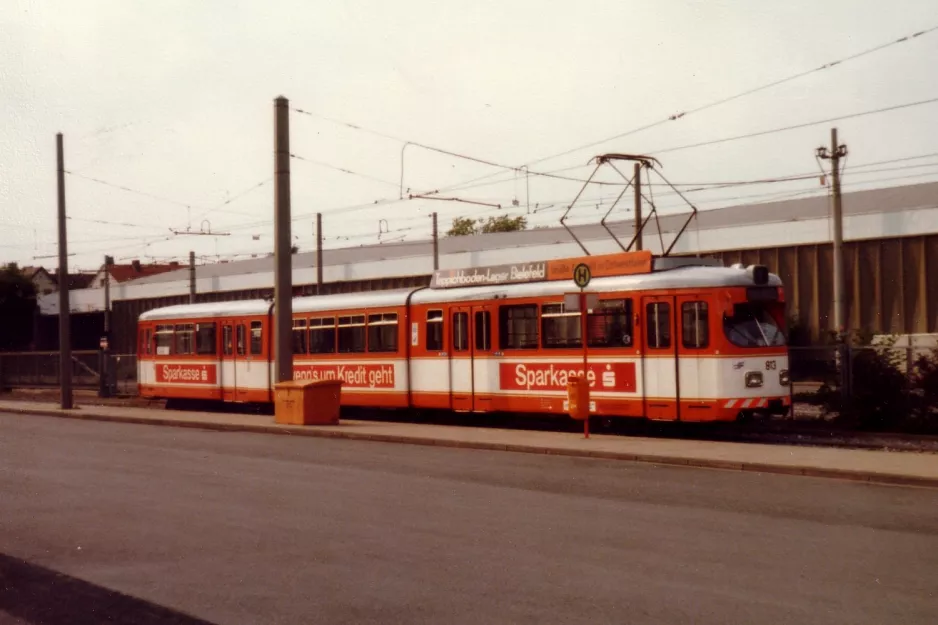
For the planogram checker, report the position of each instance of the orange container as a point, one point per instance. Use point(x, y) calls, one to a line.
point(307, 402)
point(578, 397)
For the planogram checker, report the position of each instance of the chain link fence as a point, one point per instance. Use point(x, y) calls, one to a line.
point(893, 382)
point(41, 370)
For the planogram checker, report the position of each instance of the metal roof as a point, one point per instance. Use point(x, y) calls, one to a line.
point(880, 213)
point(888, 200)
point(680, 278)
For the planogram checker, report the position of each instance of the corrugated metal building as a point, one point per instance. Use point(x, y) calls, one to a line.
point(891, 261)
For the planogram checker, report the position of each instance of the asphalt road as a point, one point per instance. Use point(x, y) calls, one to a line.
point(144, 524)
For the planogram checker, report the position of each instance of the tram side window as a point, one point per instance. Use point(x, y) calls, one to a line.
point(240, 341)
point(322, 335)
point(518, 326)
point(352, 334)
point(299, 336)
point(460, 332)
point(382, 332)
point(695, 329)
point(559, 328)
point(148, 347)
point(257, 338)
point(610, 325)
point(205, 343)
point(658, 325)
point(483, 330)
point(434, 331)
point(226, 339)
point(185, 335)
point(164, 340)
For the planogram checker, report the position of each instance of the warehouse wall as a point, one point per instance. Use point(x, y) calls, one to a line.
point(891, 284)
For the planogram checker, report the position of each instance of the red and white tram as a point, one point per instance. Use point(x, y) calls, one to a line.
point(667, 339)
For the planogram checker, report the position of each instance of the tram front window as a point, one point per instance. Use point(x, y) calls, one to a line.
point(752, 325)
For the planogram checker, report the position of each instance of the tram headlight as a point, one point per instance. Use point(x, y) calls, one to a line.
point(783, 378)
point(753, 379)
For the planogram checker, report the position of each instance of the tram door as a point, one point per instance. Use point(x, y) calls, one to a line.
point(484, 367)
point(233, 342)
point(460, 360)
point(227, 378)
point(697, 376)
point(659, 362)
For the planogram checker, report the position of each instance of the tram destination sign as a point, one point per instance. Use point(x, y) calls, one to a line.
point(620, 264)
point(488, 276)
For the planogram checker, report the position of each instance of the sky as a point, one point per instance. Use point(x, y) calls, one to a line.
point(167, 113)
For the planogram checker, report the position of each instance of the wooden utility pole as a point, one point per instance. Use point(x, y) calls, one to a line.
point(191, 277)
point(637, 183)
point(65, 338)
point(318, 253)
point(840, 319)
point(104, 377)
point(283, 257)
point(108, 261)
point(835, 154)
point(436, 245)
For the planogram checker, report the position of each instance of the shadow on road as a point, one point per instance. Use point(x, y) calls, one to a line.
point(35, 594)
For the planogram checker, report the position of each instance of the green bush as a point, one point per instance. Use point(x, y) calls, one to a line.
point(925, 391)
point(885, 397)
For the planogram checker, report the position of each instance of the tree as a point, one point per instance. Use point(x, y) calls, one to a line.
point(464, 226)
point(17, 307)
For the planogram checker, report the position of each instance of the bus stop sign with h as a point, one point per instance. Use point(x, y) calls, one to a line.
point(578, 389)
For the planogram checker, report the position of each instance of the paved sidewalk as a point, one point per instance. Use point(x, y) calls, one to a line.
point(920, 469)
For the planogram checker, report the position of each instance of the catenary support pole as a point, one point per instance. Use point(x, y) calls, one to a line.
point(283, 258)
point(65, 338)
point(191, 277)
point(436, 245)
point(638, 206)
point(318, 253)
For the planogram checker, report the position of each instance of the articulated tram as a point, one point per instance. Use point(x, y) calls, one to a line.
point(667, 339)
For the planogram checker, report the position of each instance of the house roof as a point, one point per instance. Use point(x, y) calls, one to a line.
point(124, 273)
point(30, 271)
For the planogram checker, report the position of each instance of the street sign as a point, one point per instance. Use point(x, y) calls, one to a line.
point(582, 275)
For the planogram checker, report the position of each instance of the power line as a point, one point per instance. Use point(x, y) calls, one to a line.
point(673, 117)
point(129, 190)
point(110, 223)
point(234, 198)
point(897, 160)
point(474, 159)
point(388, 202)
point(796, 126)
point(342, 169)
point(737, 96)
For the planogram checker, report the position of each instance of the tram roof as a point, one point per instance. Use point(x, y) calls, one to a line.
point(680, 278)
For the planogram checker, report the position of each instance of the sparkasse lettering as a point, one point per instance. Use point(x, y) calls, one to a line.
point(550, 377)
point(198, 374)
point(618, 377)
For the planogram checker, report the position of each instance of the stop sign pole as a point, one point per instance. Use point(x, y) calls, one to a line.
point(581, 277)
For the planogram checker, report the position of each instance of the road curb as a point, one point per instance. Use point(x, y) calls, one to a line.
point(310, 431)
